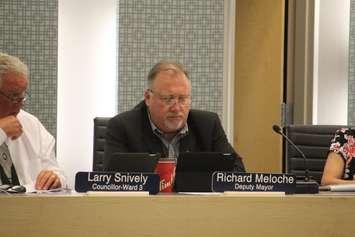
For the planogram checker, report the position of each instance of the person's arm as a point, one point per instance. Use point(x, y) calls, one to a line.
point(116, 139)
point(220, 143)
point(11, 126)
point(334, 170)
point(50, 176)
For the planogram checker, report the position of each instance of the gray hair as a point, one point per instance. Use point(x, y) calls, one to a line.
point(165, 65)
point(13, 64)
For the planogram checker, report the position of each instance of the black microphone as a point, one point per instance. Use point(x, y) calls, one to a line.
point(10, 189)
point(278, 130)
point(307, 185)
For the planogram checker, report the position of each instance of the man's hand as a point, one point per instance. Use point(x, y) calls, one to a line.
point(47, 179)
point(11, 126)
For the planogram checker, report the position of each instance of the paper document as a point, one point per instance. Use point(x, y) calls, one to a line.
point(253, 194)
point(118, 193)
point(338, 188)
point(51, 191)
point(201, 193)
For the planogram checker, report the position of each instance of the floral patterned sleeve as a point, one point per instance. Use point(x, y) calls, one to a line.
point(343, 144)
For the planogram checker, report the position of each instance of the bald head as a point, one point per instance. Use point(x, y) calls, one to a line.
point(166, 66)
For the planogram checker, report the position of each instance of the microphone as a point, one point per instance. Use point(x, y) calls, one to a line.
point(11, 189)
point(302, 186)
point(278, 130)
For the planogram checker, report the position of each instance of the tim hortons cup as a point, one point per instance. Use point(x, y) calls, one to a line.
point(166, 170)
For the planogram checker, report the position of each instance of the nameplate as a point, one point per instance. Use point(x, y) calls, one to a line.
point(253, 182)
point(116, 182)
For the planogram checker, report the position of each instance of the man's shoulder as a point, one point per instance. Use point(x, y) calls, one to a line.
point(30, 122)
point(131, 115)
point(202, 114)
point(26, 116)
point(202, 120)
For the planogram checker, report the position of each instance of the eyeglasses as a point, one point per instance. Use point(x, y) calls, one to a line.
point(170, 100)
point(16, 99)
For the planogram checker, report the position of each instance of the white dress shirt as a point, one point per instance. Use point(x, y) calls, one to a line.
point(33, 151)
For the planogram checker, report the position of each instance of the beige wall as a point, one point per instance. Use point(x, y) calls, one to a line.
point(259, 83)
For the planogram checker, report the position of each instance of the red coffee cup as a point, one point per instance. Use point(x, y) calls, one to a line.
point(166, 170)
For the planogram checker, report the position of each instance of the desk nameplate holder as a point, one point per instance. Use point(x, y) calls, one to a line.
point(116, 182)
point(253, 182)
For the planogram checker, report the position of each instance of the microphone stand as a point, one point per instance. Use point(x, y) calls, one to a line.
point(307, 185)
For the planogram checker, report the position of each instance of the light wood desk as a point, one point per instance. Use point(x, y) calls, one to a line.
point(177, 215)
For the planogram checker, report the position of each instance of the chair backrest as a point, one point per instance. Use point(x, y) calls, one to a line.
point(314, 142)
point(100, 126)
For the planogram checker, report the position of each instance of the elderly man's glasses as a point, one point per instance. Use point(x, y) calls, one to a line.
point(16, 99)
point(170, 100)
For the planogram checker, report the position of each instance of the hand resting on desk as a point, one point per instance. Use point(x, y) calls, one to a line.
point(47, 179)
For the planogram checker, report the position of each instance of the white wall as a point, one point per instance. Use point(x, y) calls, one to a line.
point(228, 72)
point(331, 62)
point(86, 77)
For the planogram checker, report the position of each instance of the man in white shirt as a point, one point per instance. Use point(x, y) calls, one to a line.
point(23, 139)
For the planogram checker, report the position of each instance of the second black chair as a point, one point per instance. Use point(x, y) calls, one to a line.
point(314, 142)
point(100, 126)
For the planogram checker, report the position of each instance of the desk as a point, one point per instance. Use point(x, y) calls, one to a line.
point(177, 215)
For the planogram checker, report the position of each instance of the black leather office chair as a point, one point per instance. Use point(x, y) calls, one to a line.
point(314, 142)
point(100, 125)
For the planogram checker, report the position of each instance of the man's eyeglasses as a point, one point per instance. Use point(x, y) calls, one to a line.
point(16, 99)
point(170, 100)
